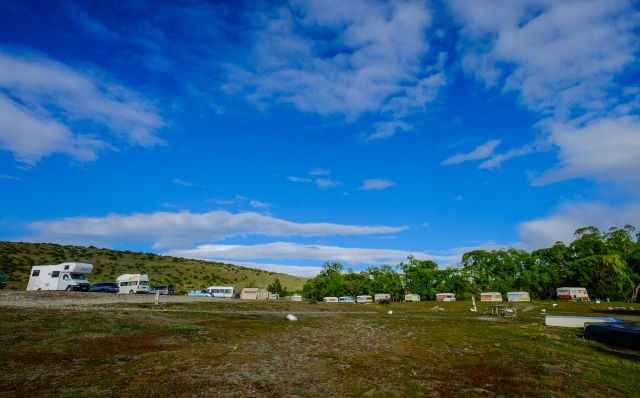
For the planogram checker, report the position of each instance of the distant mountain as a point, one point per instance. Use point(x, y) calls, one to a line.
point(17, 258)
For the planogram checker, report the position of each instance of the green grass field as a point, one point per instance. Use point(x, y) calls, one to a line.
point(249, 349)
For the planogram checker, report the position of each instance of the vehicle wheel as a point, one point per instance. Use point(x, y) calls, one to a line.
point(130, 291)
point(69, 288)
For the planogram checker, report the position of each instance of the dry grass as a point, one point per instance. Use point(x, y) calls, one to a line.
point(249, 349)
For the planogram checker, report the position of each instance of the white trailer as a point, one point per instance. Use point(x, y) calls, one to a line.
point(518, 296)
point(382, 296)
point(64, 276)
point(572, 293)
point(411, 297)
point(133, 283)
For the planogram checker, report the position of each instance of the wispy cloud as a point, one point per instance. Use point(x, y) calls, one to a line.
point(319, 172)
point(376, 184)
point(183, 183)
point(299, 179)
point(165, 229)
point(372, 62)
point(325, 183)
point(47, 107)
point(480, 152)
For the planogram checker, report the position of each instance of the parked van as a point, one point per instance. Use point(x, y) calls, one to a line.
point(64, 276)
point(364, 299)
point(162, 289)
point(133, 283)
point(411, 297)
point(491, 296)
point(572, 293)
point(382, 296)
point(222, 291)
point(518, 296)
point(445, 297)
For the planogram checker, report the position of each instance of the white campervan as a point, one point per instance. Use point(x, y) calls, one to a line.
point(133, 283)
point(64, 276)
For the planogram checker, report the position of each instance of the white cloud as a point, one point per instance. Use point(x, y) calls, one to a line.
point(602, 150)
point(569, 216)
point(480, 152)
point(299, 179)
point(256, 204)
point(376, 184)
point(47, 107)
point(325, 183)
point(319, 172)
point(294, 251)
point(557, 55)
point(178, 181)
point(347, 58)
point(185, 229)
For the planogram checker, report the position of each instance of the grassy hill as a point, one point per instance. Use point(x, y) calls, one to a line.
point(17, 258)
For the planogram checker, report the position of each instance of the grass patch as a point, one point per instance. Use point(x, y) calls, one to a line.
point(244, 349)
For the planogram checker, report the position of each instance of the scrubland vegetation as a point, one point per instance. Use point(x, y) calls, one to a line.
point(237, 348)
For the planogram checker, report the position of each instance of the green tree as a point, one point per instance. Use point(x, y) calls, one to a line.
point(276, 287)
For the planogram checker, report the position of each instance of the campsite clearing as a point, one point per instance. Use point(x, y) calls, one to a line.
point(247, 348)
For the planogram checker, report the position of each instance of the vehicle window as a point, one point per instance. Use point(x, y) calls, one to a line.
point(36, 272)
point(144, 283)
point(66, 267)
point(55, 274)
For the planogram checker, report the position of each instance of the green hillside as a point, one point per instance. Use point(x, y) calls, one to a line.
point(17, 258)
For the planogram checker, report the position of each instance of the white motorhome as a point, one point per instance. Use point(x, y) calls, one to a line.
point(64, 276)
point(133, 283)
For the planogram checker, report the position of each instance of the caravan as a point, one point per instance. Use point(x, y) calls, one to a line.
point(518, 296)
point(133, 283)
point(445, 297)
point(491, 296)
point(64, 276)
point(572, 294)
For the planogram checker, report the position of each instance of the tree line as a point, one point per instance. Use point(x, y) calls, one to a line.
point(606, 263)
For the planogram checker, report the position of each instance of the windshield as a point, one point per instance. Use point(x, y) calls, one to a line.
point(144, 283)
point(80, 277)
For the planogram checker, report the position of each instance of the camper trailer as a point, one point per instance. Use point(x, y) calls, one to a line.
point(133, 283)
point(296, 297)
point(491, 296)
point(65, 276)
point(445, 297)
point(411, 297)
point(365, 298)
point(572, 294)
point(382, 296)
point(518, 296)
point(330, 300)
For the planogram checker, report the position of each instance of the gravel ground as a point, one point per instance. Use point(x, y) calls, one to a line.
point(62, 299)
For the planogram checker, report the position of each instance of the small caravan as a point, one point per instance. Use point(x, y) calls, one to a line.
point(518, 296)
point(133, 283)
point(346, 299)
point(411, 297)
point(296, 297)
point(572, 294)
point(64, 276)
point(364, 299)
point(445, 297)
point(330, 299)
point(382, 296)
point(254, 293)
point(491, 296)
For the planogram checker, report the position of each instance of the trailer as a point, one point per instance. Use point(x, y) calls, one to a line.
point(491, 296)
point(518, 296)
point(411, 297)
point(365, 298)
point(572, 294)
point(64, 276)
point(133, 283)
point(445, 297)
point(382, 296)
point(330, 300)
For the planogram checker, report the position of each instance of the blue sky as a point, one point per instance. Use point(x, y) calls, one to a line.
point(284, 134)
